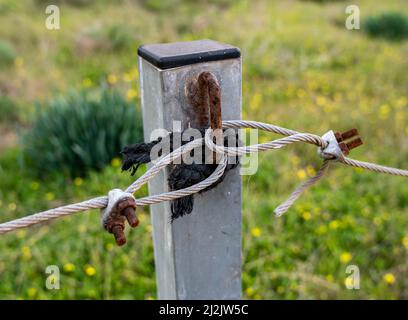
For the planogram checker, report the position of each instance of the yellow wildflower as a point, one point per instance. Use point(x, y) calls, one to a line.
point(69, 267)
point(26, 252)
point(92, 294)
point(87, 82)
point(142, 217)
point(34, 185)
point(256, 101)
point(131, 94)
point(128, 77)
point(377, 221)
point(310, 171)
point(256, 232)
point(78, 181)
point(306, 215)
point(31, 292)
point(82, 228)
point(89, 270)
point(116, 162)
point(335, 224)
point(21, 234)
point(301, 93)
point(389, 278)
point(112, 79)
point(345, 257)
point(301, 174)
point(263, 139)
point(12, 206)
point(249, 291)
point(321, 101)
point(402, 102)
point(295, 160)
point(49, 196)
point(405, 242)
point(384, 111)
point(134, 73)
point(321, 230)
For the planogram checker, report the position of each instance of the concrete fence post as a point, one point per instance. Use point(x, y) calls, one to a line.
point(197, 256)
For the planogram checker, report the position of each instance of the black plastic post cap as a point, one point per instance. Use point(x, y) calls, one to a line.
point(177, 54)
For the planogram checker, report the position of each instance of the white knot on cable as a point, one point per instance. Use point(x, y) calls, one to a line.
point(121, 206)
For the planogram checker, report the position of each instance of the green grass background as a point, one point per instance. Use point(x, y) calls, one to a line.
point(301, 69)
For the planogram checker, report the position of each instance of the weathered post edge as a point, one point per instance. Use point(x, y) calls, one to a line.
point(197, 256)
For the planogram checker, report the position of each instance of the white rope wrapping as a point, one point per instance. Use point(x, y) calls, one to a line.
point(291, 137)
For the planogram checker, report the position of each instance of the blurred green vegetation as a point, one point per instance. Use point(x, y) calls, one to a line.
point(301, 69)
point(78, 133)
point(389, 25)
point(7, 54)
point(9, 112)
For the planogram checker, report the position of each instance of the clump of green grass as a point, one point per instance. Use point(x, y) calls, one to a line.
point(7, 54)
point(119, 37)
point(389, 25)
point(78, 133)
point(8, 110)
point(90, 41)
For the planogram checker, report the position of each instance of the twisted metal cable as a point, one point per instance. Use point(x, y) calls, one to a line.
point(291, 137)
point(309, 138)
point(275, 144)
point(258, 125)
point(373, 167)
point(283, 207)
point(102, 202)
point(162, 162)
